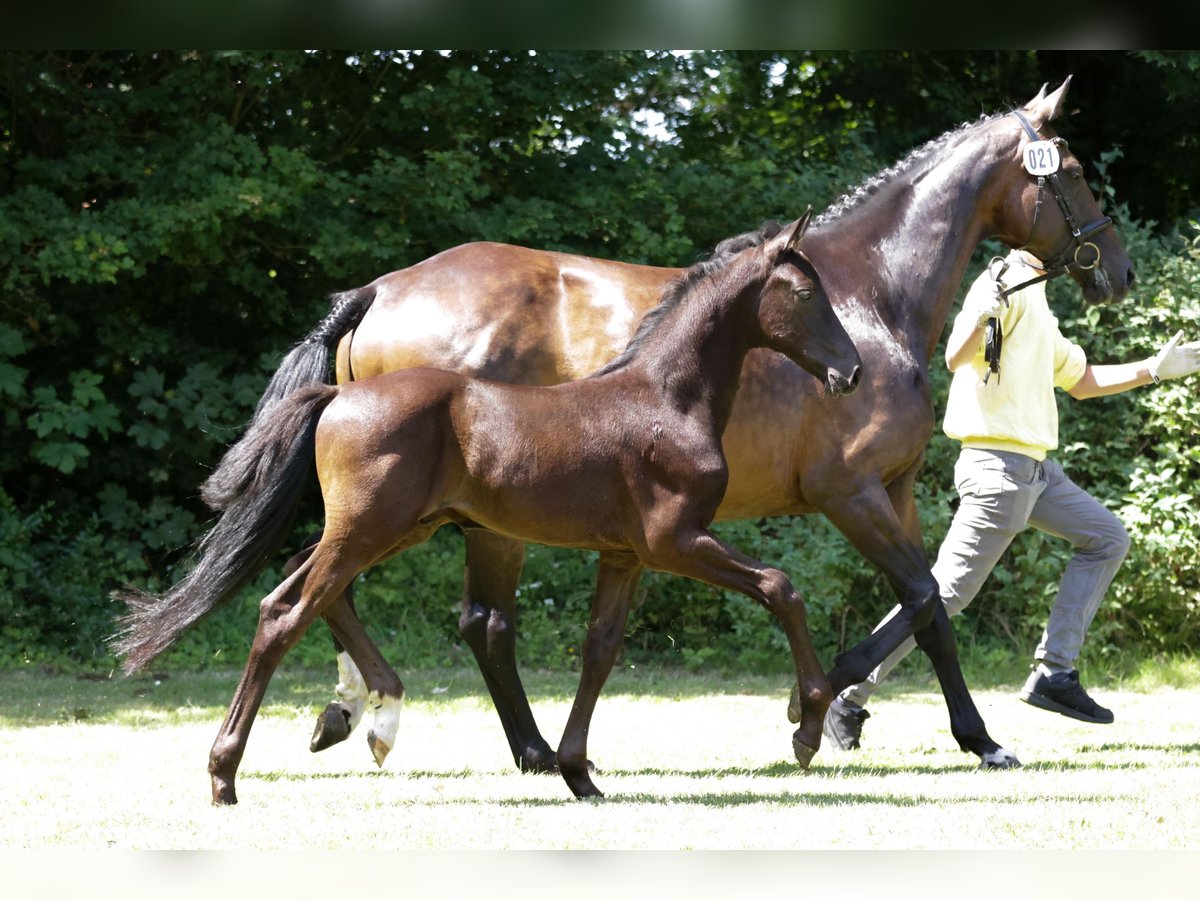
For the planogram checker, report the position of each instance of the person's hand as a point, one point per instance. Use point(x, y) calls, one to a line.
point(1175, 360)
point(983, 305)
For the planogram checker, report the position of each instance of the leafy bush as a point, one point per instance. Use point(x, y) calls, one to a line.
point(171, 222)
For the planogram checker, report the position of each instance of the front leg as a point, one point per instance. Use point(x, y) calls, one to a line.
point(882, 525)
point(616, 579)
point(699, 554)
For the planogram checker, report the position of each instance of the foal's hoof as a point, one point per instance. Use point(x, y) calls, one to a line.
point(333, 727)
point(794, 705)
point(379, 748)
point(999, 759)
point(804, 753)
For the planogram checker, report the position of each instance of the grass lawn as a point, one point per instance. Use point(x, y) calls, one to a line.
point(687, 762)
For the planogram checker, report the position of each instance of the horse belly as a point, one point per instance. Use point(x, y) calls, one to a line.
point(581, 527)
point(565, 508)
point(541, 465)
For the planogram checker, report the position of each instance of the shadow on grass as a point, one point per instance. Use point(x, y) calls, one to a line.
point(808, 792)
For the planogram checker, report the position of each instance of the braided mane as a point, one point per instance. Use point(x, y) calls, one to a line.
point(859, 195)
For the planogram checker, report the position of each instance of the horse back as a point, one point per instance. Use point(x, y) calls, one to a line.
point(502, 312)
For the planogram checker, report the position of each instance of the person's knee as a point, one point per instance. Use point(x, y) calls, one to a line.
point(1110, 543)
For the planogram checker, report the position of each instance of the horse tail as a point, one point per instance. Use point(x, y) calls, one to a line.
point(253, 526)
point(306, 363)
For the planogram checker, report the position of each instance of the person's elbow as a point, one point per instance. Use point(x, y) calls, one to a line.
point(957, 357)
point(1085, 388)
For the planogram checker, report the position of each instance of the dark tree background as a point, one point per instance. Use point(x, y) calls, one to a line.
point(171, 222)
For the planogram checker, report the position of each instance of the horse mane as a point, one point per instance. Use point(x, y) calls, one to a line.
point(875, 183)
point(674, 293)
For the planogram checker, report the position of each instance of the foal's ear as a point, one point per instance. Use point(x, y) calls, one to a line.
point(791, 236)
point(1046, 107)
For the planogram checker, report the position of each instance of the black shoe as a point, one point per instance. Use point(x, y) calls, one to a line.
point(1062, 693)
point(844, 724)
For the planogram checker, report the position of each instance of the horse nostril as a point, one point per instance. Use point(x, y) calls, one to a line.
point(855, 377)
point(1129, 277)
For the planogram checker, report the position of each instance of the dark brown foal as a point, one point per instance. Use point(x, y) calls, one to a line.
point(627, 462)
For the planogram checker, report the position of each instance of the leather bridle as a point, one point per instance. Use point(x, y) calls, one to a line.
point(1062, 263)
point(1079, 242)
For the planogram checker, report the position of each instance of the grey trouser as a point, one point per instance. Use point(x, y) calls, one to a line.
point(1000, 494)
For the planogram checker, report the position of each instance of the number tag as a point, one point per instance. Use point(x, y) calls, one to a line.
point(1041, 158)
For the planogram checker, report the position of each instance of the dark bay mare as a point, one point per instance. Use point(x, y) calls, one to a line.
point(627, 462)
point(892, 256)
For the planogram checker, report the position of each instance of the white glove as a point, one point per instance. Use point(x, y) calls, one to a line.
point(1175, 360)
point(982, 305)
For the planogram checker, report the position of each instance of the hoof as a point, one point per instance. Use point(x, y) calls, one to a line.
point(583, 789)
point(999, 759)
point(379, 748)
point(223, 793)
point(333, 727)
point(794, 705)
point(804, 753)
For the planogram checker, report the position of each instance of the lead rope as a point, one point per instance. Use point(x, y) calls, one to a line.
point(993, 336)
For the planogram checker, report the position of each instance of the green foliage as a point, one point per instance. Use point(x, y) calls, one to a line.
point(170, 223)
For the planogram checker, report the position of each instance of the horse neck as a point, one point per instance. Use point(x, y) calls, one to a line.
point(694, 357)
point(902, 254)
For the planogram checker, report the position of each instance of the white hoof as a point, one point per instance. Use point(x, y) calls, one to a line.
point(379, 748)
point(382, 736)
point(999, 759)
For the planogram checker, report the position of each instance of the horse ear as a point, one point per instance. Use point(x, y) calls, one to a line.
point(797, 231)
point(1045, 107)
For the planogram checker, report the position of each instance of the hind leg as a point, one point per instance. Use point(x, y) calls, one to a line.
point(283, 618)
point(489, 626)
point(292, 607)
point(379, 688)
point(340, 717)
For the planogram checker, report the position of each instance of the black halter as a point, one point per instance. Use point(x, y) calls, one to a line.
point(1060, 264)
point(1079, 242)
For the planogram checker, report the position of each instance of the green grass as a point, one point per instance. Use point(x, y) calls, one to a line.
point(687, 762)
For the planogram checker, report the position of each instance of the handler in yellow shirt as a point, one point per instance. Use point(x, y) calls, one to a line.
point(1007, 421)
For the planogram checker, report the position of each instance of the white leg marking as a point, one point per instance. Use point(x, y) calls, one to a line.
point(999, 759)
point(382, 736)
point(351, 689)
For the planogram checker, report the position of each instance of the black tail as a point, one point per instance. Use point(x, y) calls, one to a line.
point(307, 363)
point(279, 446)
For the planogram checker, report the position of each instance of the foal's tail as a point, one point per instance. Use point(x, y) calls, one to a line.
point(307, 363)
point(278, 451)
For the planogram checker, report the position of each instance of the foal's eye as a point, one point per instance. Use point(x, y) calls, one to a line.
point(803, 294)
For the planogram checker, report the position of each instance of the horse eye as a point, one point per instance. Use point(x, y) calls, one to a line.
point(804, 294)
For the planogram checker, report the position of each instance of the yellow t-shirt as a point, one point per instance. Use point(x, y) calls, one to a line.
point(1016, 411)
